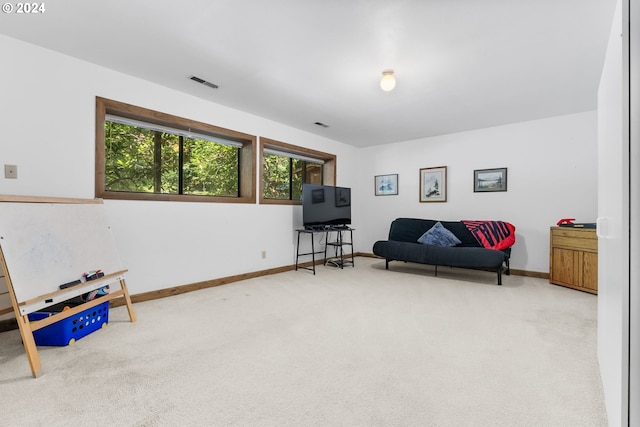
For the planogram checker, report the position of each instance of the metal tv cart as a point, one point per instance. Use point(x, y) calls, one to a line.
point(337, 233)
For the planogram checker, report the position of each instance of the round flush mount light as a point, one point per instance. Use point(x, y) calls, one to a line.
point(387, 82)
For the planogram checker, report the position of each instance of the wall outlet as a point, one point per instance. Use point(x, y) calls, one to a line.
point(11, 171)
point(264, 254)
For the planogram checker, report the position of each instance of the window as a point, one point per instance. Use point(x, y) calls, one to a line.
point(143, 154)
point(285, 167)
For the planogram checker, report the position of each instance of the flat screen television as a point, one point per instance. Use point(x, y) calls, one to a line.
point(324, 205)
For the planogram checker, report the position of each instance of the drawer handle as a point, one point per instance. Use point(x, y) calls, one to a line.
point(601, 227)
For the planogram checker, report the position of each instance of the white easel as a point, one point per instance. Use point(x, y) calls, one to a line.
point(45, 242)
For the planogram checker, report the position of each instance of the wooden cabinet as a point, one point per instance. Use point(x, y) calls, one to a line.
point(573, 258)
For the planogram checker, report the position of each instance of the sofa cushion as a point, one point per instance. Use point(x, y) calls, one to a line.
point(466, 257)
point(409, 229)
point(460, 230)
point(438, 235)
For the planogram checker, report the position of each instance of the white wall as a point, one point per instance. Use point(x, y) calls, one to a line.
point(613, 244)
point(551, 175)
point(48, 114)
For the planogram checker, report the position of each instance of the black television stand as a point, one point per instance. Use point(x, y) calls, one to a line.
point(339, 259)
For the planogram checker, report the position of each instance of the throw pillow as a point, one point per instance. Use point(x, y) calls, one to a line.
point(439, 236)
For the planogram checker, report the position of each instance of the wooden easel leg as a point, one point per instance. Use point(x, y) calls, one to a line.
point(23, 324)
point(29, 345)
point(127, 298)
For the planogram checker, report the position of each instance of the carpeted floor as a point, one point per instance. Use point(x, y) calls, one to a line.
point(355, 347)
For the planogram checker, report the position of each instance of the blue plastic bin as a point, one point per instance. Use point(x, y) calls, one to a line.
point(69, 330)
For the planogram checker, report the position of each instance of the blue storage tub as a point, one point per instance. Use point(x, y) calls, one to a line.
point(69, 330)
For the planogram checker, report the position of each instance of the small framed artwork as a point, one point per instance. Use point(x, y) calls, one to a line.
point(386, 185)
point(433, 184)
point(486, 180)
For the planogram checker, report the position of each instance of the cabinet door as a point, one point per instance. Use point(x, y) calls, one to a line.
point(589, 270)
point(564, 271)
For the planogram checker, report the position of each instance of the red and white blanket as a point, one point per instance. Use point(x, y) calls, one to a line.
point(492, 234)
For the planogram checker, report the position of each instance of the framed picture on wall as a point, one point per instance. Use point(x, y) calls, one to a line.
point(486, 180)
point(433, 184)
point(386, 185)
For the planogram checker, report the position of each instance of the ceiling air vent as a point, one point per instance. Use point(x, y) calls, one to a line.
point(204, 82)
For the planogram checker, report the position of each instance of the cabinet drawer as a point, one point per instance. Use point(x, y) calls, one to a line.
point(571, 242)
point(583, 233)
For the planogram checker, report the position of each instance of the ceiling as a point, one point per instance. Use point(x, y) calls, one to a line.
point(459, 64)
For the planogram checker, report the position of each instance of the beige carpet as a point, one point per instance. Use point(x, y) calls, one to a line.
point(355, 347)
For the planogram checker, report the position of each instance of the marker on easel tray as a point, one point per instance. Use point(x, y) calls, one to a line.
point(70, 284)
point(92, 275)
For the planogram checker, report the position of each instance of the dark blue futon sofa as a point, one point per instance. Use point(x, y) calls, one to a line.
point(403, 245)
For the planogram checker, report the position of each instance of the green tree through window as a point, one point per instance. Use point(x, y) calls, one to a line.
point(143, 154)
point(284, 175)
point(284, 168)
point(146, 160)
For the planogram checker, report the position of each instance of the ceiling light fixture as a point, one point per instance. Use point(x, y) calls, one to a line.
point(387, 82)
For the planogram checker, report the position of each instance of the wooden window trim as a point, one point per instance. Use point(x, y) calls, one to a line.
point(247, 173)
point(328, 170)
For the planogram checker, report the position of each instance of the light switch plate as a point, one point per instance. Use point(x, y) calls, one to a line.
point(11, 171)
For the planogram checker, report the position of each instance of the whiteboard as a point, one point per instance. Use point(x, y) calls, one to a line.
point(48, 244)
